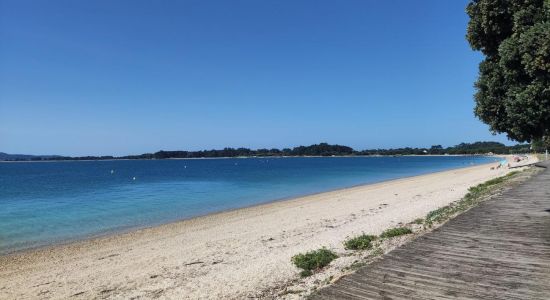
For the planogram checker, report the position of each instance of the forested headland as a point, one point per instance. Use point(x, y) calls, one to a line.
point(322, 149)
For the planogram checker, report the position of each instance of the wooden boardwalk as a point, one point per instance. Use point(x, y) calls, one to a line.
point(497, 250)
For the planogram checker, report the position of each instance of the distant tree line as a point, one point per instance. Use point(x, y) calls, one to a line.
point(322, 149)
point(462, 148)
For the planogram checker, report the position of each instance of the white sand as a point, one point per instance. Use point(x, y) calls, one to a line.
point(227, 255)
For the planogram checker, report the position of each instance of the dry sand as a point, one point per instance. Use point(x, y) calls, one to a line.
point(235, 254)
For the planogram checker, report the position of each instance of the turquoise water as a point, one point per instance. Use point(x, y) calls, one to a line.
point(49, 202)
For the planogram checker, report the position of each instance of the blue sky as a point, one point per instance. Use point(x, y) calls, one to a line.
point(127, 77)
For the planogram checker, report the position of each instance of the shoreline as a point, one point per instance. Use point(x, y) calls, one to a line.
point(230, 254)
point(249, 157)
point(130, 229)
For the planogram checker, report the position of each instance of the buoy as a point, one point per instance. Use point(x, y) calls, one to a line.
point(134, 178)
point(112, 171)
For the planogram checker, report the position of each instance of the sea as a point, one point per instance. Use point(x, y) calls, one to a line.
point(45, 203)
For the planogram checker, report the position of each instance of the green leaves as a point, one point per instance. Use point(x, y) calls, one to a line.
point(313, 260)
point(490, 23)
point(513, 88)
point(361, 242)
point(397, 231)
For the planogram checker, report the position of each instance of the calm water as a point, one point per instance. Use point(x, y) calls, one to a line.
point(48, 202)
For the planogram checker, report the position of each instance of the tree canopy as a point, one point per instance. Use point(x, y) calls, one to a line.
point(513, 87)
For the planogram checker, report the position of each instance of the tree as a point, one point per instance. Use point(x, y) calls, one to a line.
point(513, 87)
point(541, 145)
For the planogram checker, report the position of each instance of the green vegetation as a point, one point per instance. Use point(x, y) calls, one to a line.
point(513, 88)
point(322, 149)
point(397, 231)
point(440, 214)
point(462, 148)
point(313, 260)
point(419, 221)
point(540, 146)
point(475, 195)
point(361, 242)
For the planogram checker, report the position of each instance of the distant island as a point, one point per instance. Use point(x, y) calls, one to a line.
point(322, 149)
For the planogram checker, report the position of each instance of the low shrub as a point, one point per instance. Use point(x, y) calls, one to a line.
point(397, 231)
point(313, 260)
point(361, 242)
point(439, 214)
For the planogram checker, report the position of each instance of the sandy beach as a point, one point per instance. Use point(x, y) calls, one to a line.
point(234, 254)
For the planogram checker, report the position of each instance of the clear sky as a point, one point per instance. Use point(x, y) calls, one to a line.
point(128, 77)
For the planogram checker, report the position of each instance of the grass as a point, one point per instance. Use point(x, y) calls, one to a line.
point(397, 231)
point(361, 242)
point(475, 195)
point(313, 260)
point(419, 221)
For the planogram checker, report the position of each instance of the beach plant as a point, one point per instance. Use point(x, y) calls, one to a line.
point(313, 260)
point(361, 242)
point(438, 215)
point(397, 231)
point(419, 221)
